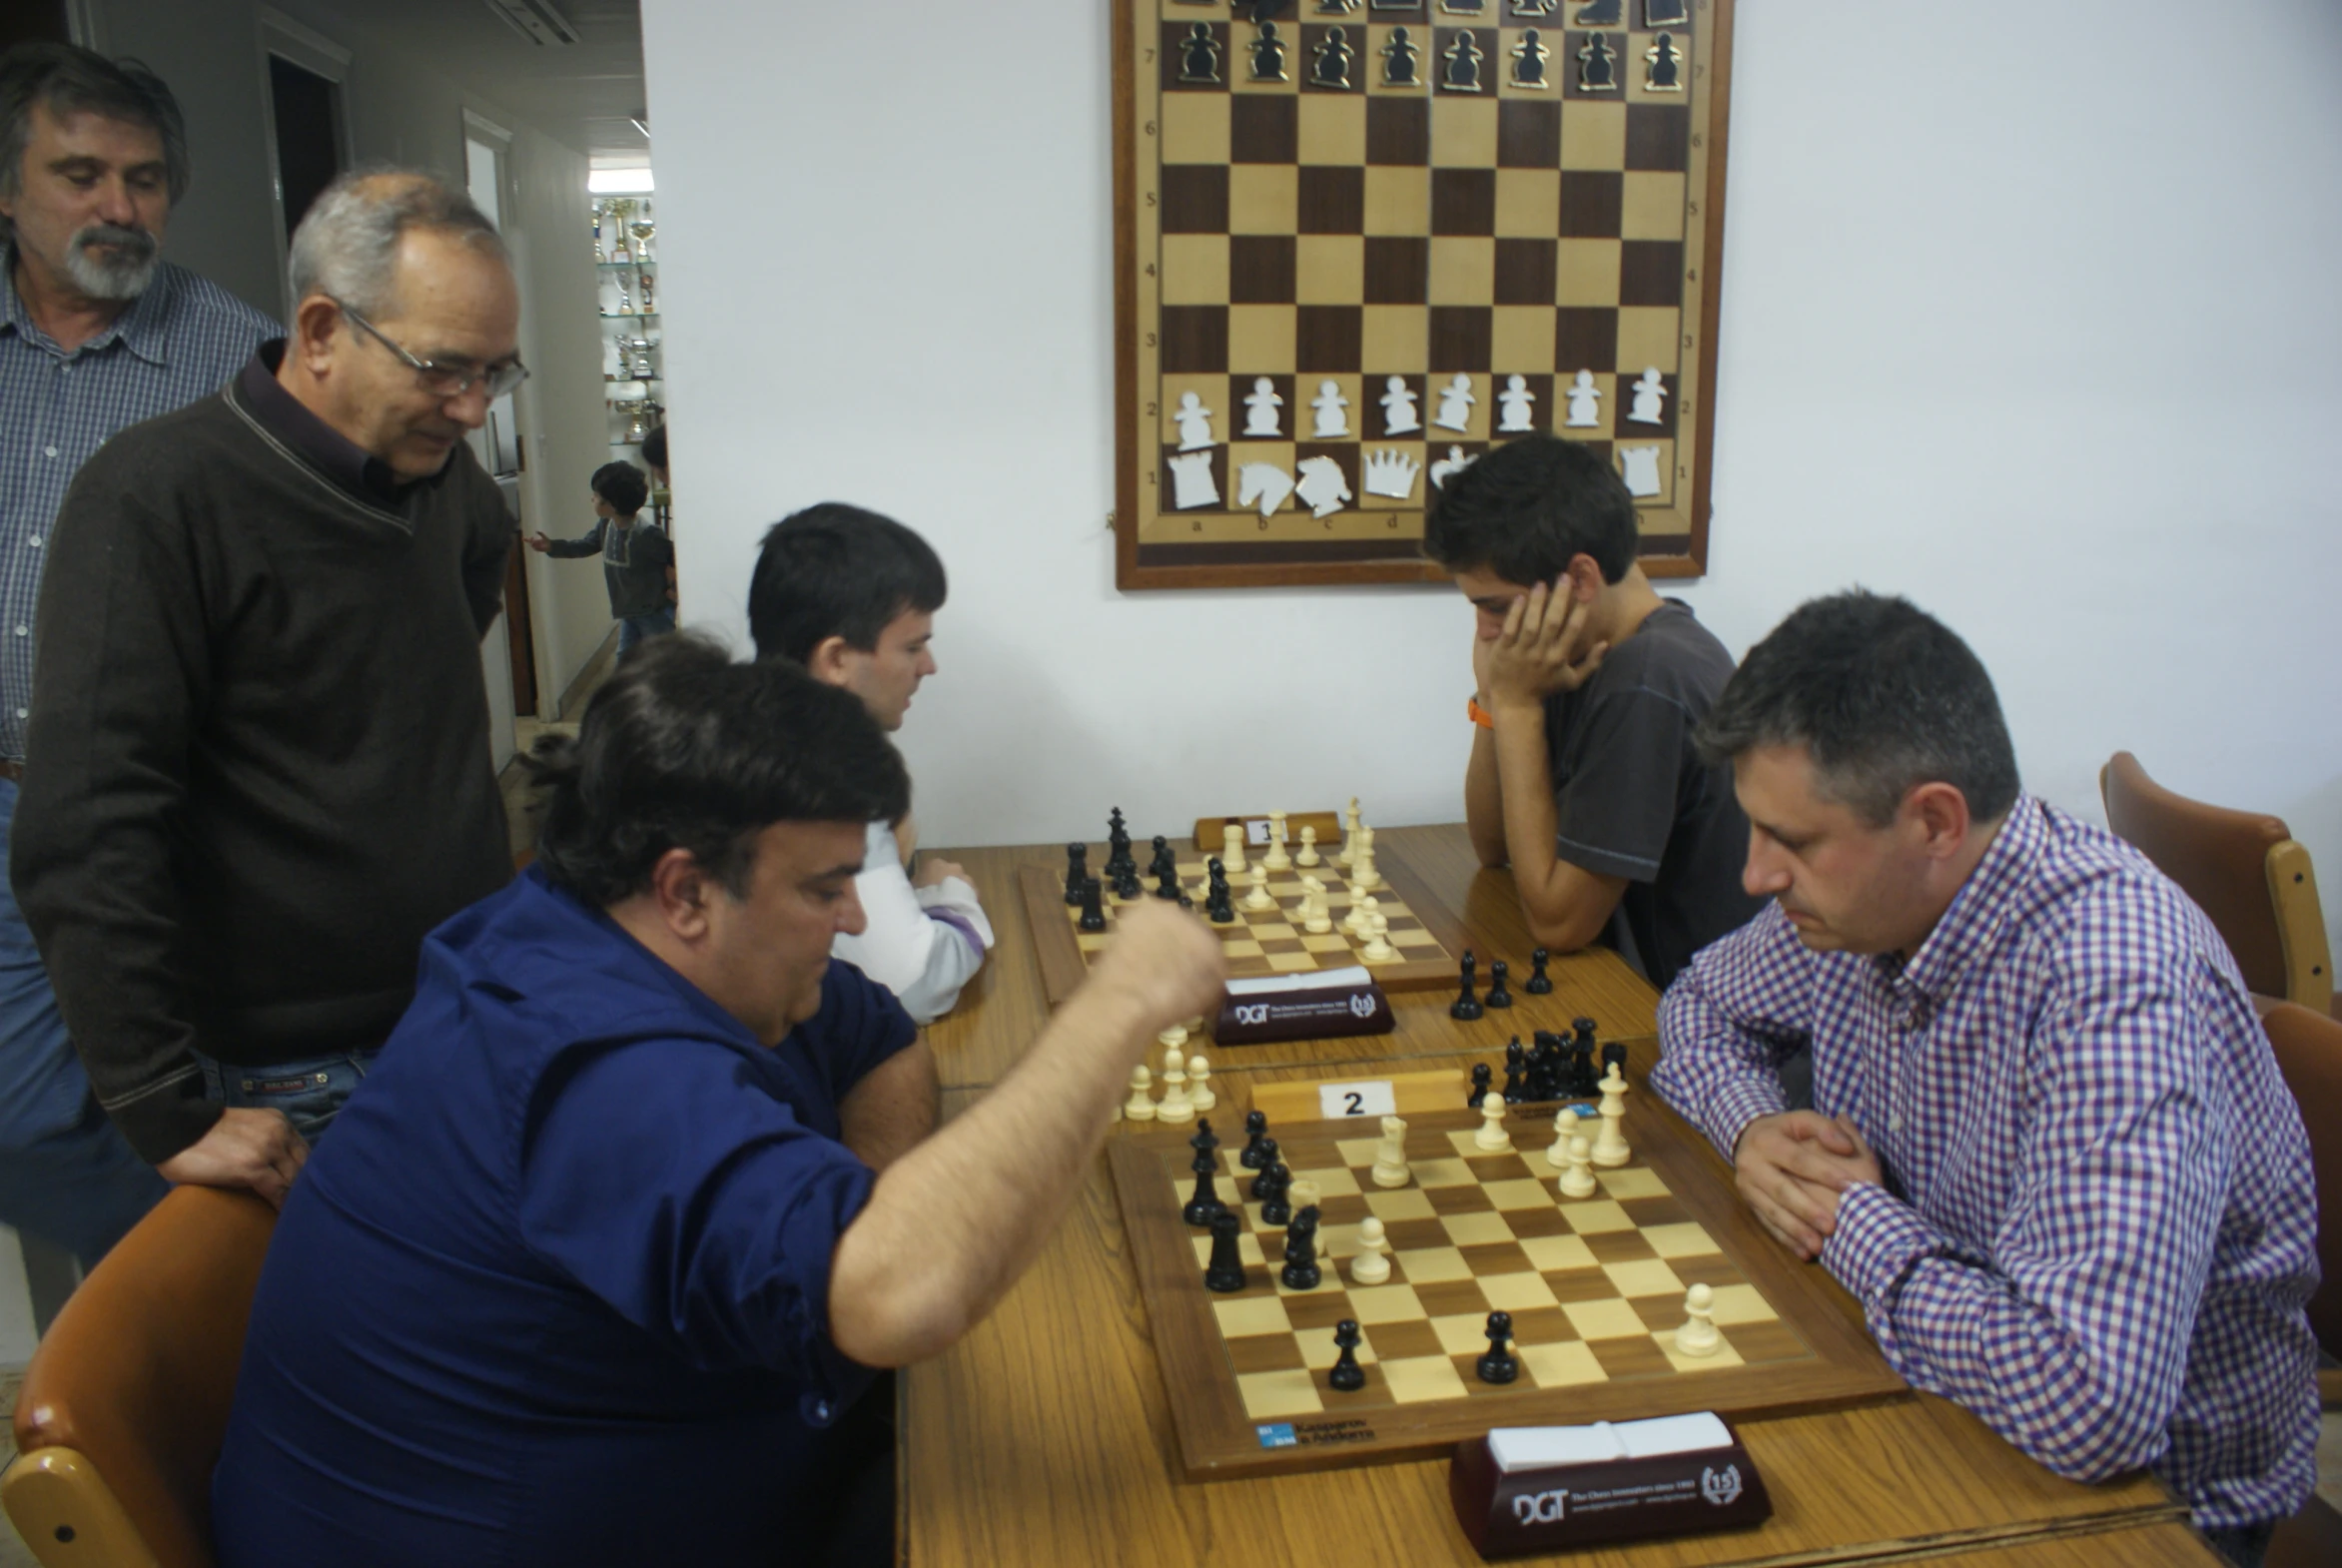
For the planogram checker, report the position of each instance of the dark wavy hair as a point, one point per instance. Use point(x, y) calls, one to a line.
point(624, 485)
point(1524, 511)
point(1883, 696)
point(687, 748)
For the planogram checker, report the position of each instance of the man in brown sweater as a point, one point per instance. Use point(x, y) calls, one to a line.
point(258, 759)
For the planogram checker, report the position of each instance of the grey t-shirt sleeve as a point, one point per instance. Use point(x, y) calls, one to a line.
point(1614, 793)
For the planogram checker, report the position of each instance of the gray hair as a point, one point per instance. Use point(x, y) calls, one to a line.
point(1882, 695)
point(67, 78)
point(347, 247)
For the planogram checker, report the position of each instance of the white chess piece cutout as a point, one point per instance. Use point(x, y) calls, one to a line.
point(1260, 405)
point(1192, 481)
point(1265, 483)
point(1277, 859)
point(1698, 1334)
point(1639, 467)
point(1390, 1155)
point(1371, 1266)
point(1330, 404)
point(1565, 1128)
point(1449, 467)
point(1455, 404)
point(1492, 1136)
point(1516, 401)
point(1323, 486)
point(1391, 472)
point(1610, 1147)
point(1585, 403)
point(1398, 408)
point(1194, 422)
point(1578, 1181)
point(1175, 1106)
point(1140, 1107)
point(1650, 399)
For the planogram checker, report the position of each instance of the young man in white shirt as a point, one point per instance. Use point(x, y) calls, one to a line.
point(852, 596)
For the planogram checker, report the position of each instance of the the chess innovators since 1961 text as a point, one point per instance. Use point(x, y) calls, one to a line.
point(1364, 240)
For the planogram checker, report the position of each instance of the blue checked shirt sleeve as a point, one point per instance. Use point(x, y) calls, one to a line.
point(2070, 1341)
point(1738, 1010)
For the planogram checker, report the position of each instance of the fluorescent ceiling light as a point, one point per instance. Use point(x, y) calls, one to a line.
point(620, 182)
point(535, 20)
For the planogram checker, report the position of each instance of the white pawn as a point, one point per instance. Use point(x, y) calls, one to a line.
point(1176, 1034)
point(1260, 407)
point(1329, 403)
point(1259, 897)
point(1585, 403)
point(1516, 400)
point(1650, 399)
point(1390, 1155)
point(1578, 1180)
point(1308, 855)
point(1140, 1108)
point(1194, 422)
point(1455, 405)
point(1398, 414)
point(1378, 949)
point(1698, 1334)
point(1492, 1136)
point(1361, 921)
point(1232, 849)
point(1277, 859)
point(1565, 1128)
point(1349, 829)
point(1175, 1106)
point(1370, 1266)
point(1199, 1092)
point(1610, 1147)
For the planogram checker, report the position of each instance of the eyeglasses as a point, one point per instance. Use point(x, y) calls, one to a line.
point(445, 380)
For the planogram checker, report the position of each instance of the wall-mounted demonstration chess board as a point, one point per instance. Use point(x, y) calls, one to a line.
point(1596, 1288)
point(1358, 240)
point(1425, 937)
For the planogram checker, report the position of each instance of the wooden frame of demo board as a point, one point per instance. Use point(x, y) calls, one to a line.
point(1433, 217)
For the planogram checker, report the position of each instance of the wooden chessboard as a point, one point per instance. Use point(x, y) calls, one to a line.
point(1427, 939)
point(1595, 1288)
point(1485, 189)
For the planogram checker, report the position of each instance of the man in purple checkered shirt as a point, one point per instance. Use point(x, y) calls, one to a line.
point(2049, 1149)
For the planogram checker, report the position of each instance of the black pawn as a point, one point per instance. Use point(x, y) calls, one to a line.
point(1262, 1156)
point(1347, 1375)
point(1547, 1056)
point(1301, 1251)
point(1226, 1269)
point(1480, 1077)
point(1127, 883)
point(1076, 871)
point(1614, 1056)
point(1498, 1366)
point(1584, 1074)
point(1467, 1005)
point(1537, 985)
point(1163, 861)
point(1255, 1134)
point(1274, 1211)
point(1516, 1085)
point(1498, 997)
point(1205, 1205)
point(1093, 910)
point(1167, 885)
point(1666, 76)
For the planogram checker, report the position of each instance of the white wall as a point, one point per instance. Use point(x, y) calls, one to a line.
point(401, 110)
point(2041, 331)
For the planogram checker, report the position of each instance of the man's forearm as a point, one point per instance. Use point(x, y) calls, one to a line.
point(893, 1108)
point(953, 1223)
point(1484, 799)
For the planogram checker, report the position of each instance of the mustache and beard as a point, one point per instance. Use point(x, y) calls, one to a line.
point(108, 261)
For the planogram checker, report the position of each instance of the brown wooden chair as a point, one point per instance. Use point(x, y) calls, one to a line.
point(126, 1401)
point(2243, 869)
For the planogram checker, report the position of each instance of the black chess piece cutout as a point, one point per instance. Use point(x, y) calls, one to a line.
point(1331, 68)
point(1255, 1135)
point(1199, 56)
point(1666, 13)
point(1093, 910)
point(1528, 60)
point(1346, 1375)
point(1498, 995)
point(1538, 984)
point(1601, 13)
point(1301, 1251)
point(1226, 1269)
point(1463, 64)
point(1399, 60)
point(1076, 871)
point(1598, 67)
point(1666, 74)
point(1466, 1005)
point(1498, 1366)
point(1480, 1077)
point(1268, 54)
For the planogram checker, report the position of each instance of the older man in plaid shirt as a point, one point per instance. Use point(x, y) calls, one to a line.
point(2049, 1148)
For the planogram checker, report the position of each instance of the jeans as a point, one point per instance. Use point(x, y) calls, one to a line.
point(66, 1175)
point(310, 1092)
point(635, 628)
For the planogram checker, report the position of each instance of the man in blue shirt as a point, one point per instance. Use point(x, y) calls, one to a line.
point(643, 1187)
point(97, 333)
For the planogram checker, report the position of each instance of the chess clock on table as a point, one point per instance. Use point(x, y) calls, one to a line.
point(1359, 243)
